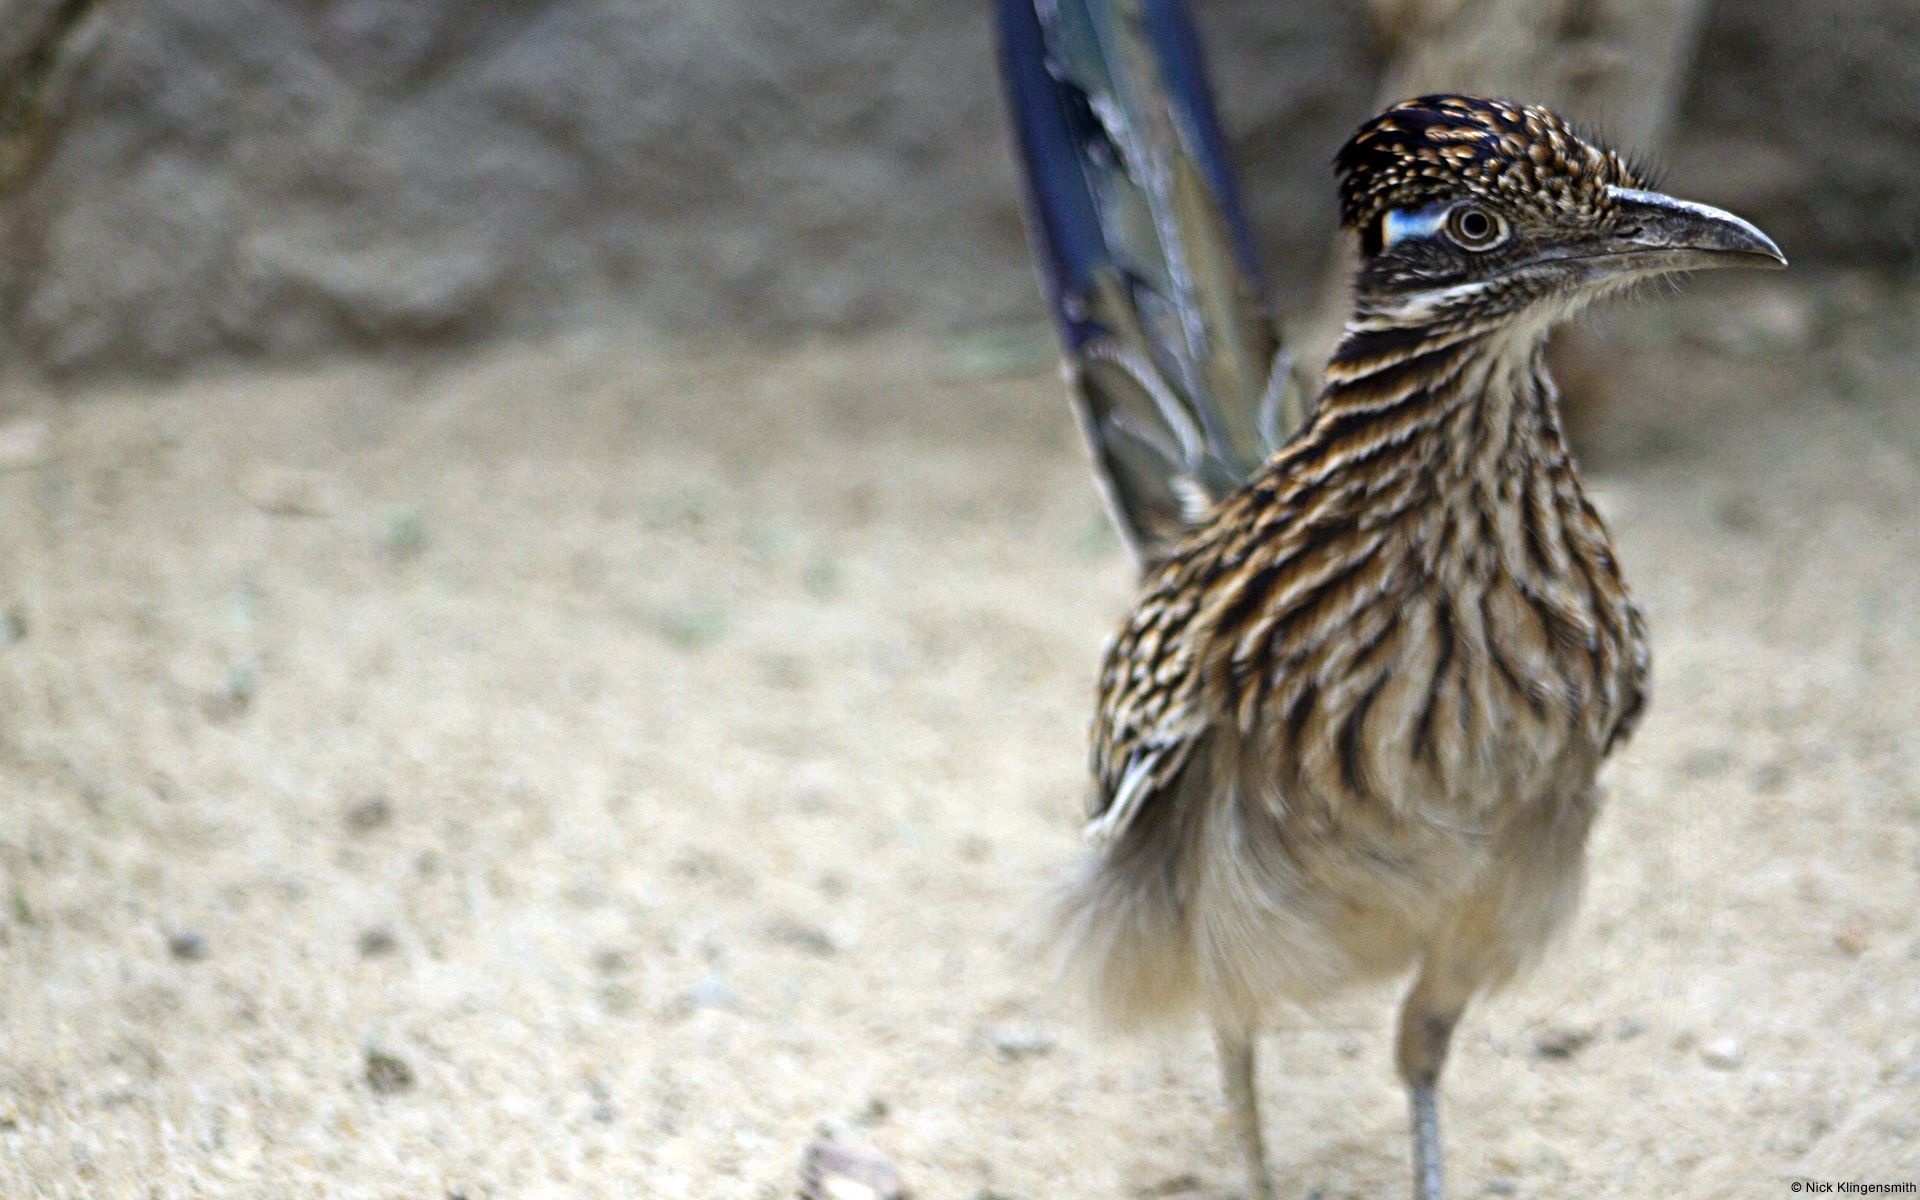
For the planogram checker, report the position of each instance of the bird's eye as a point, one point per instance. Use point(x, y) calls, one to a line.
point(1474, 228)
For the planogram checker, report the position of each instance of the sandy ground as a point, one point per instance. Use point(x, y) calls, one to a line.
point(589, 770)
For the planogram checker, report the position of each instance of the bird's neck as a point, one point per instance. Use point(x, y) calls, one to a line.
point(1470, 396)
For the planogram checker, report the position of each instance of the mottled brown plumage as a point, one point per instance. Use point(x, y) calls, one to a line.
point(1351, 728)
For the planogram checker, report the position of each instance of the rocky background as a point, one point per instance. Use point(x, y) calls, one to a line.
point(259, 178)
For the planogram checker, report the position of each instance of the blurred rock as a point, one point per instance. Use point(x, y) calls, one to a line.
point(1561, 1043)
point(234, 697)
point(369, 814)
point(387, 1074)
point(247, 177)
point(835, 1169)
point(1723, 1053)
point(610, 961)
point(801, 936)
point(377, 941)
point(242, 176)
point(1015, 1042)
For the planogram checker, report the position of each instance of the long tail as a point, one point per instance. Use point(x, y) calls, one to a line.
point(1177, 369)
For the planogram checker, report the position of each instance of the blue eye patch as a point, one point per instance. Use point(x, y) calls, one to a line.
point(1402, 223)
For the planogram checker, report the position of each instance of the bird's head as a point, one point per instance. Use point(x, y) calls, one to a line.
point(1504, 205)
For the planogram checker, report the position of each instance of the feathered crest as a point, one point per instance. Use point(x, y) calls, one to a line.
point(1440, 147)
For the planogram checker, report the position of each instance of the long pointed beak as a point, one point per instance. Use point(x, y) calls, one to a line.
point(1670, 234)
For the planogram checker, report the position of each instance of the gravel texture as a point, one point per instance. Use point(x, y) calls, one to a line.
point(647, 761)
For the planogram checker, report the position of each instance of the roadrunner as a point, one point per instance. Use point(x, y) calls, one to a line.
point(1350, 730)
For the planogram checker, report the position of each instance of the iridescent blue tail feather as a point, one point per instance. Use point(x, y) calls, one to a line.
point(1179, 378)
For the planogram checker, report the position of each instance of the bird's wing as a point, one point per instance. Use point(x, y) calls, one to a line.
point(1178, 374)
point(1151, 717)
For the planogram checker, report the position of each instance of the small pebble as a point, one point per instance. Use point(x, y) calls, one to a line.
point(603, 1111)
point(610, 961)
point(387, 1074)
point(243, 680)
point(233, 698)
point(1740, 514)
point(187, 946)
point(13, 625)
point(1561, 1044)
point(377, 941)
point(835, 1169)
point(1723, 1054)
point(801, 937)
point(1014, 1043)
point(1501, 1187)
point(1707, 762)
point(1630, 1028)
point(368, 814)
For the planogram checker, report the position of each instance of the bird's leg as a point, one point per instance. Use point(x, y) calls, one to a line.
point(1426, 1142)
point(1427, 1018)
point(1237, 1064)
